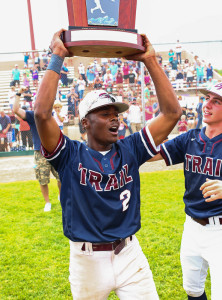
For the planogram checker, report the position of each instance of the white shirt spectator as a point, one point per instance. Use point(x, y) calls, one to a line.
point(135, 114)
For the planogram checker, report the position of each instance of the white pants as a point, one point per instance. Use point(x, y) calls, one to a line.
point(201, 248)
point(93, 275)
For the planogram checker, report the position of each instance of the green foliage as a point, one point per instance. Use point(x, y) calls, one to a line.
point(34, 253)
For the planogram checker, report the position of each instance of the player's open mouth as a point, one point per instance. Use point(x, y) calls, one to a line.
point(114, 130)
point(207, 113)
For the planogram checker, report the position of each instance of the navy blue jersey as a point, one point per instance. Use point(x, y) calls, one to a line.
point(100, 194)
point(202, 158)
point(35, 136)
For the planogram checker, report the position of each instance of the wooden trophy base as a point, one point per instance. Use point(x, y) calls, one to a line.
point(99, 42)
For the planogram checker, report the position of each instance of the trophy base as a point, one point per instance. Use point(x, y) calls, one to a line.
point(93, 42)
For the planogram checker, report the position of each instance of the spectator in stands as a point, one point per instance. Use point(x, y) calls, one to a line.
point(174, 64)
point(58, 114)
point(37, 61)
point(73, 103)
point(108, 82)
point(185, 67)
point(119, 62)
point(25, 79)
point(98, 83)
point(45, 60)
point(171, 55)
point(166, 70)
point(199, 112)
point(24, 129)
point(209, 71)
point(178, 50)
point(108, 74)
point(76, 86)
point(16, 76)
point(129, 95)
point(35, 76)
point(11, 96)
point(28, 97)
point(17, 132)
point(43, 167)
point(81, 87)
point(200, 73)
point(81, 71)
point(90, 74)
point(27, 71)
point(182, 125)
point(126, 69)
point(64, 75)
point(138, 78)
point(147, 78)
point(147, 93)
point(135, 116)
point(132, 78)
point(119, 79)
point(31, 64)
point(179, 78)
point(26, 59)
point(148, 112)
point(6, 130)
point(190, 75)
point(113, 68)
point(190, 118)
point(122, 127)
point(159, 58)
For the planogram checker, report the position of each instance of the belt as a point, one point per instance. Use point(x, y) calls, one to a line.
point(205, 221)
point(117, 246)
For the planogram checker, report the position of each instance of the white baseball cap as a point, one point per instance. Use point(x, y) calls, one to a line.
point(99, 98)
point(216, 89)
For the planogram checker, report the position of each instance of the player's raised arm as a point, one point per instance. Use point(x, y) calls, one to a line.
point(170, 110)
point(48, 129)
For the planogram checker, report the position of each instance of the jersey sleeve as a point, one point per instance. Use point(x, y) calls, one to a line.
point(173, 151)
point(64, 152)
point(141, 145)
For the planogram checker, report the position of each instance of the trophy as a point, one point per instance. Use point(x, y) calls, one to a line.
point(102, 28)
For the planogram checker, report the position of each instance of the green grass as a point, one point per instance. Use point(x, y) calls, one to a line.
point(219, 71)
point(34, 253)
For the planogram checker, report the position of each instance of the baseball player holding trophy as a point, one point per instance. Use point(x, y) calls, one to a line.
point(100, 194)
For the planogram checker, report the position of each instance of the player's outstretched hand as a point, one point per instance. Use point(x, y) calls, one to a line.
point(148, 53)
point(212, 190)
point(57, 46)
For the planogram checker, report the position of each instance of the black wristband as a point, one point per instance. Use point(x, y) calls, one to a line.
point(18, 94)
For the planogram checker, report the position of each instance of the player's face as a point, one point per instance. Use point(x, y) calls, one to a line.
point(102, 128)
point(212, 110)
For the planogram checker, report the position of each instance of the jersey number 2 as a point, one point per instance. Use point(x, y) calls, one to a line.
point(125, 197)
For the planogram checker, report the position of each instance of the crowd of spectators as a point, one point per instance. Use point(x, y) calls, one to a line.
point(122, 78)
point(186, 74)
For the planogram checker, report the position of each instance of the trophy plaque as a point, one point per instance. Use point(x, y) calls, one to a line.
point(102, 28)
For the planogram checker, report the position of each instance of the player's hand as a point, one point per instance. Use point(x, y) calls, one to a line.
point(57, 46)
point(212, 190)
point(147, 54)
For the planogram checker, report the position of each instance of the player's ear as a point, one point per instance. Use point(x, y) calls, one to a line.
point(85, 123)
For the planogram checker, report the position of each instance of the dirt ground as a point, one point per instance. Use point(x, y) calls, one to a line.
point(21, 168)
